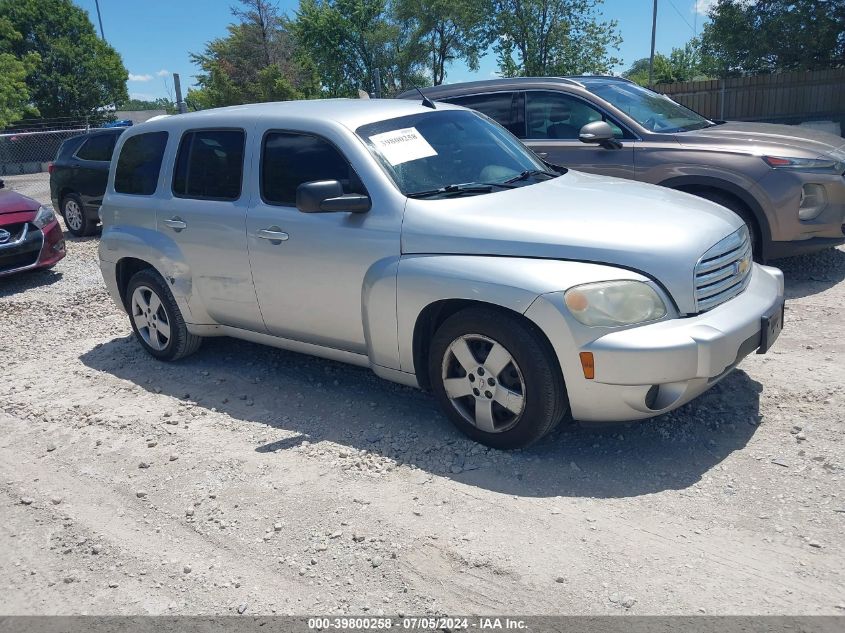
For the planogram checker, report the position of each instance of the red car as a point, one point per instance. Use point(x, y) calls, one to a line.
point(30, 235)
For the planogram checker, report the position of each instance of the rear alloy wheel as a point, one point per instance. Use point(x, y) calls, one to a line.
point(156, 319)
point(75, 219)
point(150, 318)
point(496, 377)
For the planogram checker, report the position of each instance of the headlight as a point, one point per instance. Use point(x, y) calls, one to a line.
point(818, 165)
point(44, 216)
point(613, 303)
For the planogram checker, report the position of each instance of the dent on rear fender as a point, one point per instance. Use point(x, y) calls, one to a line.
point(508, 282)
point(162, 254)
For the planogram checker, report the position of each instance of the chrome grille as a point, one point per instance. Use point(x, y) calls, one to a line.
point(723, 271)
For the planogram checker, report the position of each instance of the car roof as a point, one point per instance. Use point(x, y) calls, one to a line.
point(514, 83)
point(351, 113)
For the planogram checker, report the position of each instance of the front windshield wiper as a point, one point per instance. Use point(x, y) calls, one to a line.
point(459, 189)
point(528, 173)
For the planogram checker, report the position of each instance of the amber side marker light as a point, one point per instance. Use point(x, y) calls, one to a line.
point(588, 365)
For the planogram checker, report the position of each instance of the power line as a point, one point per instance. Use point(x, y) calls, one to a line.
point(692, 28)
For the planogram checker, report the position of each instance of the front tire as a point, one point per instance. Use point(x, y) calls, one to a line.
point(156, 319)
point(496, 378)
point(77, 222)
point(745, 215)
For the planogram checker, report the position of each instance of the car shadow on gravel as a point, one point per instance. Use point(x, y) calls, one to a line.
point(807, 275)
point(20, 282)
point(310, 401)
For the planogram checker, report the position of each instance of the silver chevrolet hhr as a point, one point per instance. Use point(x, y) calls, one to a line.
point(430, 245)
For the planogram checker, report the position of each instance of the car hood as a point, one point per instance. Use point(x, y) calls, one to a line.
point(13, 202)
point(789, 140)
point(657, 231)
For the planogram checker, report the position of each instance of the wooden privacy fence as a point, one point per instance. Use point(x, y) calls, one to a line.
point(794, 96)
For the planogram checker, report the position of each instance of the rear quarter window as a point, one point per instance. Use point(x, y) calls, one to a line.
point(139, 164)
point(98, 147)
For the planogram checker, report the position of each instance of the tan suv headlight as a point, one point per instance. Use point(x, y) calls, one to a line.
point(614, 303)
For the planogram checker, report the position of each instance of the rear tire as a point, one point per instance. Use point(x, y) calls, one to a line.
point(77, 222)
point(496, 378)
point(156, 319)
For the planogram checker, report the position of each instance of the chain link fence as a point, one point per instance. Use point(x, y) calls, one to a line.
point(25, 157)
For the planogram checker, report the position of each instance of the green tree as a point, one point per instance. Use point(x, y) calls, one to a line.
point(257, 61)
point(553, 37)
point(774, 35)
point(348, 40)
point(451, 30)
point(682, 64)
point(162, 103)
point(14, 94)
point(79, 74)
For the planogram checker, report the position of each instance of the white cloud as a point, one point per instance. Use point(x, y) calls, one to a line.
point(163, 73)
point(134, 77)
point(142, 96)
point(703, 7)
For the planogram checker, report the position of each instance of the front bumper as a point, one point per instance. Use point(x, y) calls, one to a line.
point(790, 235)
point(39, 248)
point(680, 357)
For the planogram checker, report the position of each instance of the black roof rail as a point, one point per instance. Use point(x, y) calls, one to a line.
point(604, 77)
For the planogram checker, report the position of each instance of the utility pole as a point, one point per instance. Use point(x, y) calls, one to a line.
point(181, 106)
point(377, 82)
point(651, 59)
point(100, 20)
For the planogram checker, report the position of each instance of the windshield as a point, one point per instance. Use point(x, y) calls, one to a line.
point(653, 111)
point(451, 152)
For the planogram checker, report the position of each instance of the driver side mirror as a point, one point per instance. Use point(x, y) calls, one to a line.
point(326, 196)
point(600, 133)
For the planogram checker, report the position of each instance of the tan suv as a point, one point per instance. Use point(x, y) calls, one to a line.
point(786, 182)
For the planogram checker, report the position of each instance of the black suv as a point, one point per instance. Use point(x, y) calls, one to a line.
point(78, 178)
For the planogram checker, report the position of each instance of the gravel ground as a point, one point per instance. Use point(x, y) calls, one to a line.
point(252, 480)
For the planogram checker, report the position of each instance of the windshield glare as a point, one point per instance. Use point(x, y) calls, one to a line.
point(653, 111)
point(429, 151)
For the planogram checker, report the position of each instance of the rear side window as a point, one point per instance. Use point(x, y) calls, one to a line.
point(290, 159)
point(499, 106)
point(139, 164)
point(98, 147)
point(210, 165)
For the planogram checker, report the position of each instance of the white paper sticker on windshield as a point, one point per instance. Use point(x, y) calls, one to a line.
point(401, 146)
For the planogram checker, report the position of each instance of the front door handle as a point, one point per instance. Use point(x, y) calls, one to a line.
point(176, 223)
point(274, 234)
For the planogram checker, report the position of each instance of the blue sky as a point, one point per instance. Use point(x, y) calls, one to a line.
point(156, 37)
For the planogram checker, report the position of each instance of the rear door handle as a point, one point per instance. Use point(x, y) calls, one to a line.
point(274, 234)
point(176, 223)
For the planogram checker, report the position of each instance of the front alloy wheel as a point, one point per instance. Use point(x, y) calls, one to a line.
point(496, 377)
point(483, 383)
